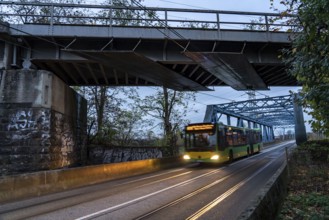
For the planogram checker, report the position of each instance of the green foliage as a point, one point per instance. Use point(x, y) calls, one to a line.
point(58, 14)
point(319, 149)
point(309, 58)
point(111, 119)
point(306, 206)
point(122, 16)
point(256, 25)
point(44, 14)
point(316, 144)
point(103, 137)
point(308, 187)
point(194, 24)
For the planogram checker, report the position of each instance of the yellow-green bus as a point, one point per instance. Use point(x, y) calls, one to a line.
point(217, 143)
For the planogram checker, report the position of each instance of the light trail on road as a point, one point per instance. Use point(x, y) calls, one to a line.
point(102, 212)
point(190, 192)
point(219, 199)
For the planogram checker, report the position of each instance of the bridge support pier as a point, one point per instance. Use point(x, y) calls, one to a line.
point(43, 122)
point(300, 130)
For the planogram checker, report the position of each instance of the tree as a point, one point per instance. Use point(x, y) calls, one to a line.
point(47, 13)
point(195, 24)
point(130, 128)
point(61, 11)
point(170, 108)
point(123, 16)
point(98, 98)
point(105, 107)
point(308, 58)
point(113, 118)
point(256, 25)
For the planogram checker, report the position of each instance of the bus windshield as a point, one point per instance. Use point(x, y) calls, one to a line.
point(201, 141)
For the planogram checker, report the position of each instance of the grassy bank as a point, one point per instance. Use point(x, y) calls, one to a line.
point(308, 188)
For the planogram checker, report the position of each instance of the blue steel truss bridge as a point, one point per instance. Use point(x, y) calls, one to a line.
point(182, 49)
point(266, 114)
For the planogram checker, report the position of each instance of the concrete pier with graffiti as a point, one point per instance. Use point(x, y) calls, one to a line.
point(43, 122)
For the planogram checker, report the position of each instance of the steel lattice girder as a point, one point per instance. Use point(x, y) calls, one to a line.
point(272, 111)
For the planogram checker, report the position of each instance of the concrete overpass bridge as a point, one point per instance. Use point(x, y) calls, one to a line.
point(200, 49)
point(43, 52)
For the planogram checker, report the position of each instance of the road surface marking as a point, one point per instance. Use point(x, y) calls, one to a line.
point(219, 199)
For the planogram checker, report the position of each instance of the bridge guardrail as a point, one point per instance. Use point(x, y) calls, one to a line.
point(86, 14)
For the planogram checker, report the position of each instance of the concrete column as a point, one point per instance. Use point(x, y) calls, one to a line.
point(6, 55)
point(43, 122)
point(6, 48)
point(300, 130)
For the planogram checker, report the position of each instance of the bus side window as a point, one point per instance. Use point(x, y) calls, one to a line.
point(235, 138)
point(242, 138)
point(256, 137)
point(229, 138)
point(250, 137)
point(221, 140)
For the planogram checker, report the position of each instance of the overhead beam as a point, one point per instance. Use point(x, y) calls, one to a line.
point(140, 66)
point(232, 68)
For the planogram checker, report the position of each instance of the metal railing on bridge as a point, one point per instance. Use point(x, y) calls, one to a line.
point(15, 12)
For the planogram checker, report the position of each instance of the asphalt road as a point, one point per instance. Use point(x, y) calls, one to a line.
point(190, 192)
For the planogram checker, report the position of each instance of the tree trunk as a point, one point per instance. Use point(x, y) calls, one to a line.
point(168, 129)
point(100, 100)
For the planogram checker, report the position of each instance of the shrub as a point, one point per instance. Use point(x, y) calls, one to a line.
point(318, 149)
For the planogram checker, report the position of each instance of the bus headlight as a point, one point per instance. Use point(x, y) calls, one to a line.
point(215, 157)
point(186, 157)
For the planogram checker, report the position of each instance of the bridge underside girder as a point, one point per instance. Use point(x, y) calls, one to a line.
point(138, 65)
point(144, 58)
point(239, 74)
